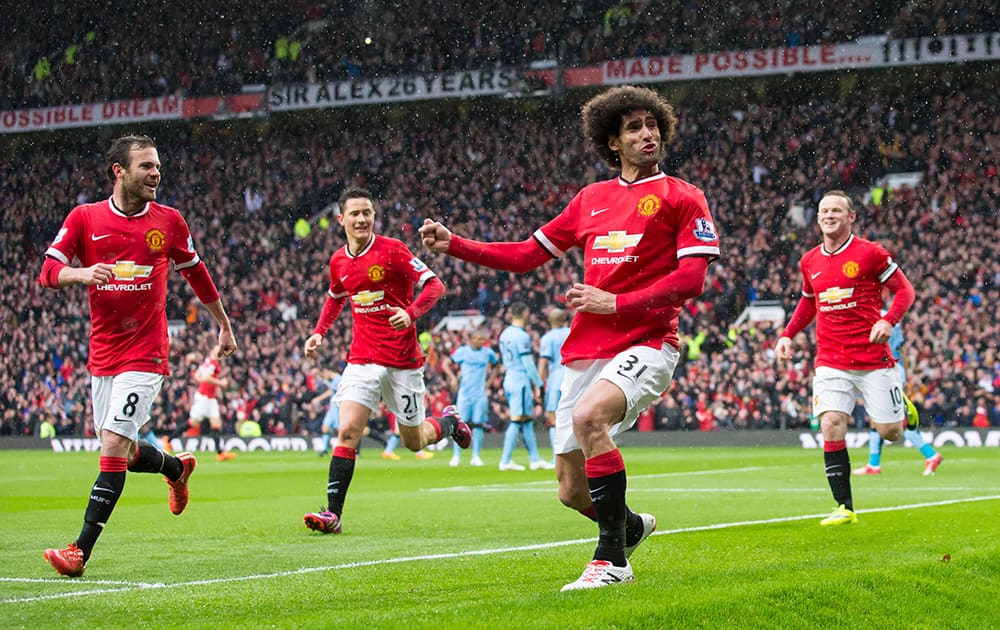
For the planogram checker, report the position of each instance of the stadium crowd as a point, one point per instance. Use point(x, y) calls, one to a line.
point(70, 53)
point(243, 188)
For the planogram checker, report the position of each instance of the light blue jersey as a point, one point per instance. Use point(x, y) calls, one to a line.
point(551, 349)
point(896, 348)
point(521, 373)
point(896, 339)
point(332, 418)
point(475, 364)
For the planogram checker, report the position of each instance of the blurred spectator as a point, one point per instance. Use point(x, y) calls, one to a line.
point(70, 53)
point(944, 234)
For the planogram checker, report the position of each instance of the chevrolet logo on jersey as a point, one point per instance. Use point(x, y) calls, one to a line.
point(834, 295)
point(128, 270)
point(617, 241)
point(367, 298)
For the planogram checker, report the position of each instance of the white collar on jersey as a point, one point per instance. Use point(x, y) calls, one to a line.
point(364, 250)
point(839, 249)
point(114, 208)
point(642, 180)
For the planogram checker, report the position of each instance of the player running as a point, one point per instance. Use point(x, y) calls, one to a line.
point(842, 281)
point(384, 364)
point(125, 245)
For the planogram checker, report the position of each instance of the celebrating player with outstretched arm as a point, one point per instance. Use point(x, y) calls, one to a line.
point(125, 245)
point(647, 240)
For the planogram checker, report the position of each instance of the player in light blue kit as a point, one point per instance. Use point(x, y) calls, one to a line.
point(475, 361)
point(932, 459)
point(519, 383)
point(331, 421)
point(550, 367)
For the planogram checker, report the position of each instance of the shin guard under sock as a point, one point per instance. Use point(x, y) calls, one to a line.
point(606, 478)
point(634, 527)
point(341, 472)
point(217, 436)
point(443, 427)
point(103, 497)
point(149, 459)
point(838, 472)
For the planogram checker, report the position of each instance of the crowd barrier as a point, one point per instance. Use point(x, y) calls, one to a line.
point(958, 437)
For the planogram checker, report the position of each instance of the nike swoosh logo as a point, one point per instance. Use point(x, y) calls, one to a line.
point(342, 278)
point(95, 237)
point(100, 489)
point(594, 213)
point(815, 275)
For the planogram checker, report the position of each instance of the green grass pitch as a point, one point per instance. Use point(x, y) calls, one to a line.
point(424, 545)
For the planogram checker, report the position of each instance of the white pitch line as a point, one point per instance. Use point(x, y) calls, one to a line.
point(446, 556)
point(698, 473)
point(631, 490)
point(550, 482)
point(63, 581)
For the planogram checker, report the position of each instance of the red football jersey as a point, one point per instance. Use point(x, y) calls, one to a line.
point(847, 288)
point(208, 367)
point(632, 234)
point(128, 320)
point(383, 274)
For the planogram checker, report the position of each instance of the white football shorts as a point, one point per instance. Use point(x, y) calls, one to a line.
point(122, 402)
point(204, 407)
point(402, 390)
point(641, 372)
point(837, 390)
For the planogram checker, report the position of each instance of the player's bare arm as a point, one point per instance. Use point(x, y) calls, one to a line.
point(312, 345)
point(435, 236)
point(543, 369)
point(588, 299)
point(94, 275)
point(227, 340)
point(317, 401)
point(212, 380)
point(400, 319)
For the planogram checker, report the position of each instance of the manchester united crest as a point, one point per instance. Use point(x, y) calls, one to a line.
point(376, 273)
point(850, 269)
point(155, 240)
point(649, 205)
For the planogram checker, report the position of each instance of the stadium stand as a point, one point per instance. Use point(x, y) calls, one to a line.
point(495, 170)
point(83, 52)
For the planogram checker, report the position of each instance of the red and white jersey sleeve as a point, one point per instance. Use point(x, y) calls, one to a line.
point(128, 321)
point(383, 274)
point(631, 234)
point(847, 287)
point(208, 368)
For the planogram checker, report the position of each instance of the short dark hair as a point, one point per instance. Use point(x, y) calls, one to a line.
point(519, 310)
point(355, 192)
point(602, 117)
point(120, 151)
point(841, 193)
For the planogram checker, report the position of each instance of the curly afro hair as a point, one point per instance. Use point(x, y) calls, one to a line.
point(602, 117)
